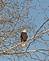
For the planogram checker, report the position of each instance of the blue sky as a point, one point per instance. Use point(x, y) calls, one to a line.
point(38, 12)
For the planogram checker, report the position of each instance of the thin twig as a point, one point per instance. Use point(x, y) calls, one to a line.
point(37, 32)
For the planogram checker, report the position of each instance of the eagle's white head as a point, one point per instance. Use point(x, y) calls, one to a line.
point(24, 30)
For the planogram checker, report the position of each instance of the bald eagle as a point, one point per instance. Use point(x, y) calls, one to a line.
point(23, 36)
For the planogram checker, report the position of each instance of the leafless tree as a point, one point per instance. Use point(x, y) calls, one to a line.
point(12, 21)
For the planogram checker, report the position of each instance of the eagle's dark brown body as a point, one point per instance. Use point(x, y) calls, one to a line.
point(23, 36)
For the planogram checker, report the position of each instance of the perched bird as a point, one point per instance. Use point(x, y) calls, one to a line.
point(24, 36)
